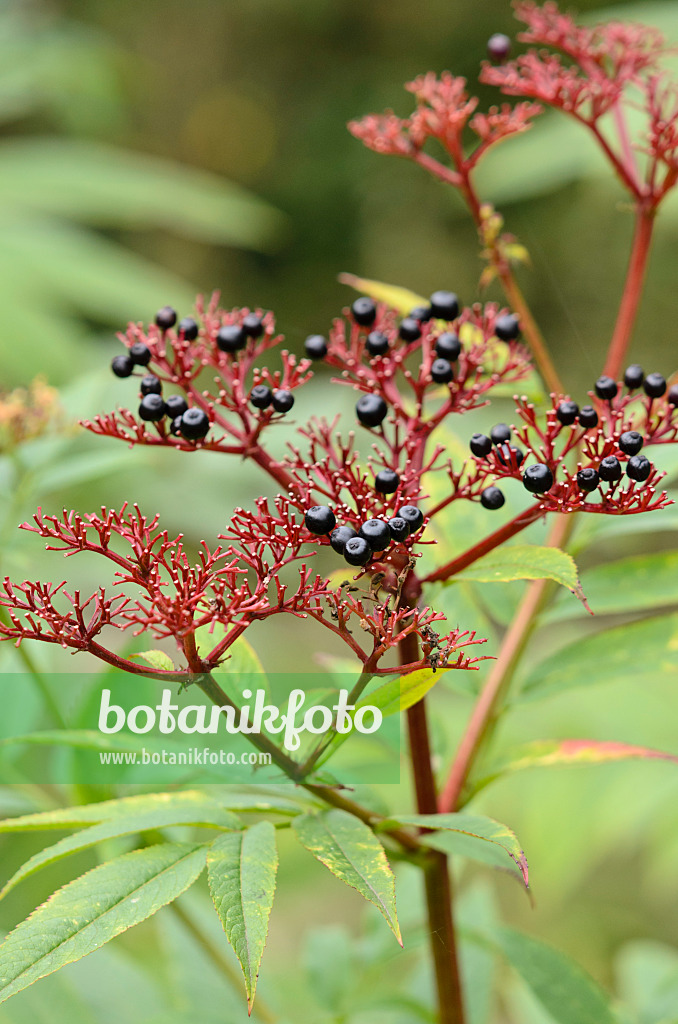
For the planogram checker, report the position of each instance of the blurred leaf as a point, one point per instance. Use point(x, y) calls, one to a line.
point(110, 187)
point(565, 990)
point(206, 813)
point(93, 909)
point(352, 852)
point(524, 562)
point(241, 870)
point(647, 975)
point(630, 584)
point(453, 831)
point(77, 469)
point(156, 659)
point(647, 649)
point(329, 959)
point(401, 299)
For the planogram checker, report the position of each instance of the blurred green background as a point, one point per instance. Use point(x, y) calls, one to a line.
point(150, 150)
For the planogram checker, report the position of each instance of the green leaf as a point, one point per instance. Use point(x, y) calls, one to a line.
point(89, 814)
point(352, 852)
point(401, 299)
point(563, 988)
point(631, 584)
point(156, 659)
point(242, 666)
point(453, 832)
point(559, 753)
point(110, 187)
point(401, 693)
point(205, 813)
point(524, 562)
point(626, 652)
point(93, 909)
point(241, 870)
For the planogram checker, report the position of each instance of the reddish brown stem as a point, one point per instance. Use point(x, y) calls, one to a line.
point(489, 543)
point(485, 710)
point(436, 873)
point(633, 290)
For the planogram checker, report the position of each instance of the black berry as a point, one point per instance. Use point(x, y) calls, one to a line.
point(498, 48)
point(630, 442)
point(376, 343)
point(400, 531)
point(175, 426)
point(175, 405)
point(261, 396)
point(421, 313)
point(252, 325)
point(448, 346)
point(315, 346)
point(606, 388)
point(492, 498)
point(480, 445)
point(538, 479)
point(122, 366)
point(638, 468)
point(409, 329)
point(320, 519)
point(444, 305)
point(166, 318)
point(357, 551)
point(587, 479)
point(610, 469)
point(672, 396)
point(194, 424)
point(364, 311)
point(507, 327)
point(371, 410)
point(588, 417)
point(188, 328)
point(282, 400)
point(413, 516)
point(231, 338)
point(340, 537)
point(505, 451)
point(377, 534)
point(567, 413)
point(386, 481)
point(500, 433)
point(152, 407)
point(140, 354)
point(150, 385)
point(654, 385)
point(633, 376)
point(441, 371)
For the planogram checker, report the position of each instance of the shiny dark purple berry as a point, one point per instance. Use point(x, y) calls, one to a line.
point(282, 400)
point(357, 551)
point(606, 388)
point(376, 343)
point(400, 531)
point(567, 413)
point(377, 534)
point(364, 311)
point(654, 385)
point(188, 328)
point(587, 479)
point(340, 537)
point(444, 305)
point(498, 48)
point(538, 478)
point(315, 346)
point(175, 426)
point(442, 371)
point(231, 338)
point(194, 424)
point(413, 516)
point(409, 329)
point(610, 469)
point(633, 376)
point(480, 445)
point(448, 346)
point(371, 410)
point(261, 396)
point(507, 327)
point(140, 354)
point(150, 385)
point(672, 396)
point(588, 417)
point(175, 405)
point(630, 442)
point(252, 325)
point(422, 314)
point(166, 318)
point(320, 520)
point(152, 408)
point(505, 453)
point(500, 433)
point(386, 481)
point(492, 498)
point(122, 366)
point(638, 468)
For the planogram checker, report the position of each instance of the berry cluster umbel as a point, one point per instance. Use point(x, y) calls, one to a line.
point(372, 538)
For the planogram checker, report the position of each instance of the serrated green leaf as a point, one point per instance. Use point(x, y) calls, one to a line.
point(352, 852)
point(241, 871)
point(156, 659)
point(89, 814)
point(524, 562)
point(93, 909)
point(205, 813)
point(453, 832)
point(401, 693)
point(637, 583)
point(640, 649)
point(401, 299)
point(563, 988)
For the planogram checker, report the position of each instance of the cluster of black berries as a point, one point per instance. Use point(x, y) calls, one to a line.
point(375, 535)
point(653, 384)
point(193, 424)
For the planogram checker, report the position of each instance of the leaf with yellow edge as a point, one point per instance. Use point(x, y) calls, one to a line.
point(401, 299)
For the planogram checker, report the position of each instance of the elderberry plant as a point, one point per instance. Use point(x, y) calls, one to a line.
point(378, 496)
